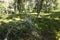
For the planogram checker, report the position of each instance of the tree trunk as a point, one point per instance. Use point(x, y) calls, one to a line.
point(39, 6)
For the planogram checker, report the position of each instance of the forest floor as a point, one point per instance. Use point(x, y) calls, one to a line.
point(46, 21)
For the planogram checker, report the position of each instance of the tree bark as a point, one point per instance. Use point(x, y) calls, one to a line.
point(39, 6)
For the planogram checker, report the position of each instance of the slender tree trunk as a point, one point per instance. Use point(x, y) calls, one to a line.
point(39, 7)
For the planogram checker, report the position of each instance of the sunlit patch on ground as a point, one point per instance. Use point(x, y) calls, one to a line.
point(58, 35)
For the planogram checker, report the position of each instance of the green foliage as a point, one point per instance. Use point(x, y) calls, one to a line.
point(49, 5)
point(44, 27)
point(26, 26)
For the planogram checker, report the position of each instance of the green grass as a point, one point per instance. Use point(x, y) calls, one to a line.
point(47, 22)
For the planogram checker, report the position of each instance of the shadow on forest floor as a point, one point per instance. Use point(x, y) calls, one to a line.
point(53, 15)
